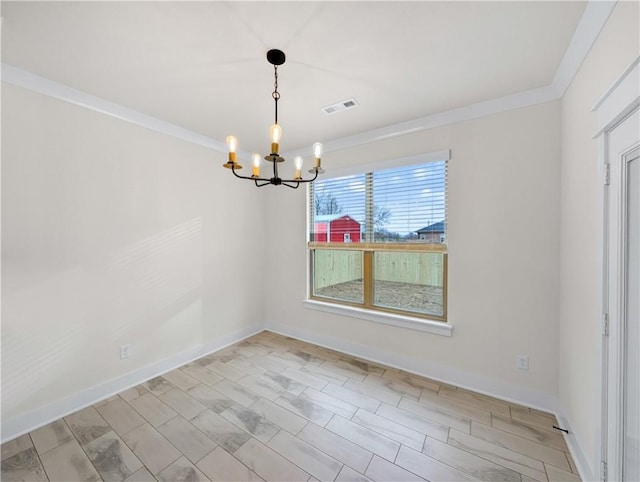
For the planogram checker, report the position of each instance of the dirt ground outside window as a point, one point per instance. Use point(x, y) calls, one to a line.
point(390, 294)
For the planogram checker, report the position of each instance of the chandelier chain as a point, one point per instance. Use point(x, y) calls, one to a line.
point(275, 94)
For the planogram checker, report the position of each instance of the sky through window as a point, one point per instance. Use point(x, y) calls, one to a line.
point(413, 197)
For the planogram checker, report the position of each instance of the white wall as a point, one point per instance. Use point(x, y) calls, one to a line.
point(114, 234)
point(581, 228)
point(503, 258)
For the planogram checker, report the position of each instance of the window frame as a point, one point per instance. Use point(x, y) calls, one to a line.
point(368, 310)
point(368, 250)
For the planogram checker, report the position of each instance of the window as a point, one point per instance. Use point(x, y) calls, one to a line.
point(377, 240)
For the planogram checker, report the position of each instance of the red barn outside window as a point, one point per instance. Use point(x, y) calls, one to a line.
point(336, 228)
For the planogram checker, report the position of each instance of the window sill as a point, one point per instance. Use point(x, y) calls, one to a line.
point(409, 322)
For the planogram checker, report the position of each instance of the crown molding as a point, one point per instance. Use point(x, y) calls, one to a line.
point(30, 81)
point(591, 23)
point(620, 100)
point(593, 19)
point(469, 112)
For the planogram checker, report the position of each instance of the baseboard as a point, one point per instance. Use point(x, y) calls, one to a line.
point(585, 469)
point(34, 419)
point(429, 369)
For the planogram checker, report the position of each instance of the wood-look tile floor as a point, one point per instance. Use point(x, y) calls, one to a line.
point(277, 409)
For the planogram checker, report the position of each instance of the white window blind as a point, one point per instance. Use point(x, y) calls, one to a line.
point(400, 204)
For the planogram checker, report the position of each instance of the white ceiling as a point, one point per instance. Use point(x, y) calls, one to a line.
point(202, 66)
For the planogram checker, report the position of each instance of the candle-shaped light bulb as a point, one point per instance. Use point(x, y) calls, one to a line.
point(317, 150)
point(256, 165)
point(317, 155)
point(298, 163)
point(232, 142)
point(275, 133)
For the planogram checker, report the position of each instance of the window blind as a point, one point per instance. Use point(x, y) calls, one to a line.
point(401, 204)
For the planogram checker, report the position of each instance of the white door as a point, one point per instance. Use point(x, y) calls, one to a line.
point(631, 385)
point(623, 404)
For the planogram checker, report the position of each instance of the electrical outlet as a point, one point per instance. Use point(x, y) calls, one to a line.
point(125, 351)
point(523, 362)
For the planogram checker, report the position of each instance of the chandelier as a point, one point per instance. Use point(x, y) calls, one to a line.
point(275, 58)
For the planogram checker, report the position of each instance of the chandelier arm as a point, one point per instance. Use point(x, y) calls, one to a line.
point(251, 178)
point(302, 180)
point(286, 183)
point(314, 177)
point(298, 181)
point(266, 183)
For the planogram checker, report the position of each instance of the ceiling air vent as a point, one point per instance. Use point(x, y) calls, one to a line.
point(345, 104)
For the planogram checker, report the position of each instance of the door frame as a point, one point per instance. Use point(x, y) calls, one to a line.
point(618, 103)
point(617, 347)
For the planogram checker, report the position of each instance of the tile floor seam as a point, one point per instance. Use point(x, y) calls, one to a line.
point(289, 460)
point(543, 462)
point(478, 456)
point(174, 446)
point(240, 461)
point(37, 455)
point(143, 463)
point(342, 464)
